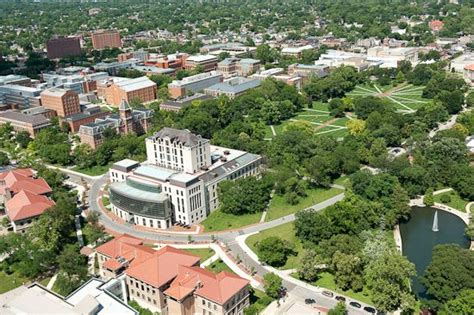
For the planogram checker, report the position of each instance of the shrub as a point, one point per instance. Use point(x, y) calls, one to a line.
point(445, 198)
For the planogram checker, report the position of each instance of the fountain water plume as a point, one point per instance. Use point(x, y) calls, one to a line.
point(435, 222)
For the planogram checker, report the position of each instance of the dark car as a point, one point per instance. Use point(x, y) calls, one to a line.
point(355, 304)
point(369, 309)
point(309, 301)
point(340, 298)
point(327, 293)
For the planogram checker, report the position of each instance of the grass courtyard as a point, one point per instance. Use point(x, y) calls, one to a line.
point(10, 282)
point(404, 97)
point(318, 116)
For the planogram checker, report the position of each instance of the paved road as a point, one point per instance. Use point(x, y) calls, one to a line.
point(227, 237)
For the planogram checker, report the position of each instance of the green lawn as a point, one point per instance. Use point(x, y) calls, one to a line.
point(203, 253)
point(343, 181)
point(219, 266)
point(280, 208)
point(260, 300)
point(10, 282)
point(286, 232)
point(456, 201)
point(219, 221)
point(326, 280)
point(44, 282)
point(95, 170)
point(105, 201)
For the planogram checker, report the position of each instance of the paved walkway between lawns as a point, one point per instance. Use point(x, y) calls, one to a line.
point(51, 282)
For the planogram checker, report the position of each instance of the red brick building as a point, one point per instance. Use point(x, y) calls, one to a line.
point(61, 47)
point(106, 39)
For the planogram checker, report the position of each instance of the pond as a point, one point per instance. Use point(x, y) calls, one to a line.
point(418, 238)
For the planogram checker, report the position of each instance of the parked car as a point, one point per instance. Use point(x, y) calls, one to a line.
point(327, 293)
point(355, 304)
point(309, 301)
point(340, 298)
point(369, 309)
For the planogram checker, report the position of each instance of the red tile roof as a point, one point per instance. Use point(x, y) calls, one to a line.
point(27, 205)
point(162, 267)
point(22, 179)
point(218, 288)
point(125, 246)
point(469, 67)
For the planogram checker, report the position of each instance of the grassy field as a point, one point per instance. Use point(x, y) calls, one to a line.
point(343, 181)
point(318, 116)
point(404, 97)
point(219, 266)
point(203, 253)
point(280, 208)
point(219, 221)
point(456, 201)
point(10, 282)
point(260, 300)
point(44, 282)
point(286, 232)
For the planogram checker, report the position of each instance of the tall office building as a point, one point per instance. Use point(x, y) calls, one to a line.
point(61, 47)
point(106, 39)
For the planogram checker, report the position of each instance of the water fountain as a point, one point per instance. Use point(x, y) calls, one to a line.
point(435, 222)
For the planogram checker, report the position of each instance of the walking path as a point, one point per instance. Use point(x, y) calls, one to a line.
point(273, 130)
point(51, 282)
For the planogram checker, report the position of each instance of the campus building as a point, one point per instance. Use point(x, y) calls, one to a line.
point(295, 51)
point(206, 62)
point(61, 47)
point(15, 79)
point(242, 67)
point(24, 122)
point(64, 102)
point(193, 84)
point(106, 39)
point(232, 87)
point(127, 121)
point(177, 105)
point(169, 280)
point(141, 89)
point(93, 297)
point(19, 96)
point(24, 197)
point(178, 182)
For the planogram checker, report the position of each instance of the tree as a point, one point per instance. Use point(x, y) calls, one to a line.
point(73, 263)
point(463, 304)
point(339, 309)
point(356, 126)
point(272, 285)
point(310, 266)
point(4, 160)
point(428, 199)
point(449, 272)
point(400, 78)
point(470, 99)
point(245, 195)
point(347, 271)
point(23, 139)
point(388, 279)
point(274, 251)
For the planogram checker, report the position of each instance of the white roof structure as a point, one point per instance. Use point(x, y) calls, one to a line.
point(135, 84)
point(201, 58)
point(296, 50)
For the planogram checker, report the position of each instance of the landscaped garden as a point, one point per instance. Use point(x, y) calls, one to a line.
point(219, 266)
point(219, 221)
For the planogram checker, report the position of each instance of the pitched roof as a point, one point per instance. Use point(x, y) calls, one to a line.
point(34, 120)
point(469, 67)
point(215, 287)
point(123, 105)
point(27, 205)
point(184, 136)
point(22, 179)
point(162, 267)
point(113, 248)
